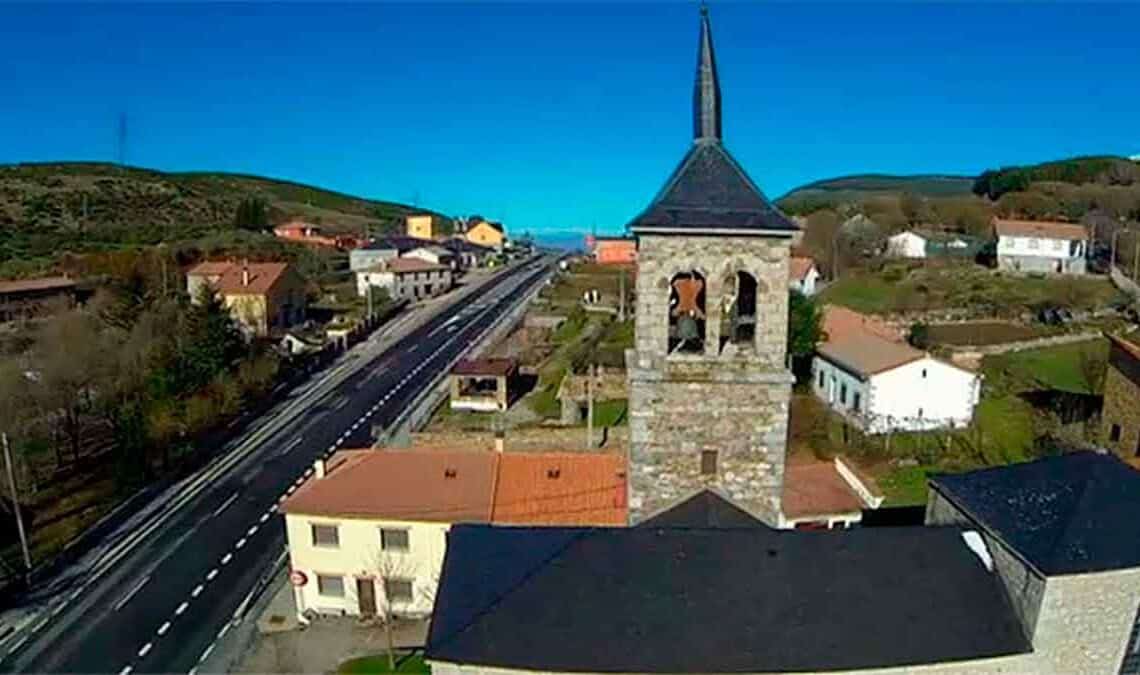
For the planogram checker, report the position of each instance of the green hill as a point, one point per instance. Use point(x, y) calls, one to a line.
point(46, 209)
point(852, 188)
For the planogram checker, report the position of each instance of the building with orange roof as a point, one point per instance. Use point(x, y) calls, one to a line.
point(1121, 414)
point(263, 297)
point(840, 322)
point(406, 279)
point(825, 495)
point(368, 529)
point(613, 250)
point(1041, 246)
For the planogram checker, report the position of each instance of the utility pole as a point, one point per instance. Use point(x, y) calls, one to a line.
point(369, 294)
point(16, 509)
point(591, 374)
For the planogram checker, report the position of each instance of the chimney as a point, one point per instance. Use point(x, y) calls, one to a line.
point(319, 469)
point(500, 441)
point(245, 273)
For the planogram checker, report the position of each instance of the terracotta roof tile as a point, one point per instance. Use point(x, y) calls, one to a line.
point(262, 276)
point(414, 485)
point(817, 489)
point(403, 265)
point(561, 489)
point(840, 323)
point(1044, 229)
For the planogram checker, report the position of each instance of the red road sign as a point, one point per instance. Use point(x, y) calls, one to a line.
point(298, 578)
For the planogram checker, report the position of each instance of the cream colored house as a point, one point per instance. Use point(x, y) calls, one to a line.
point(486, 233)
point(368, 531)
point(265, 298)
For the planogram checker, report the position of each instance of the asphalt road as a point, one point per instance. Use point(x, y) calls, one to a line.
point(169, 588)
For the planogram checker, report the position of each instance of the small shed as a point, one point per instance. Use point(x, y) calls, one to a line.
point(483, 385)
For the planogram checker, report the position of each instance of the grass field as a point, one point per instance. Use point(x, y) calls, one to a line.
point(405, 663)
point(989, 293)
point(978, 333)
point(1064, 367)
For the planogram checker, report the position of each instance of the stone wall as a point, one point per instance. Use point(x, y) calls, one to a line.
point(1122, 403)
point(731, 399)
point(1024, 586)
point(1086, 621)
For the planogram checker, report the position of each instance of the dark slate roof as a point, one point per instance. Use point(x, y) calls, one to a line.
point(398, 242)
point(704, 509)
point(461, 245)
point(671, 600)
point(1065, 515)
point(710, 192)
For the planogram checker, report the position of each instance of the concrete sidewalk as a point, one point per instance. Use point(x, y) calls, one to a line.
point(279, 644)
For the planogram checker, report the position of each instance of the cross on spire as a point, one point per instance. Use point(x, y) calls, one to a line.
point(706, 89)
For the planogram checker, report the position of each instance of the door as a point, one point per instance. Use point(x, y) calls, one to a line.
point(366, 595)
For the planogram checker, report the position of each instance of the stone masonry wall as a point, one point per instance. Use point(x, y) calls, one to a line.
point(1024, 587)
point(1121, 407)
point(1086, 620)
point(732, 400)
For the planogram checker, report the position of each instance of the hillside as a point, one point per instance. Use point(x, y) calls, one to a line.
point(851, 188)
point(48, 208)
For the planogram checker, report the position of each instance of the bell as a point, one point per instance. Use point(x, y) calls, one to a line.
point(687, 329)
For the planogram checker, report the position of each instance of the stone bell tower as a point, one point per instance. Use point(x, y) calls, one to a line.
point(709, 382)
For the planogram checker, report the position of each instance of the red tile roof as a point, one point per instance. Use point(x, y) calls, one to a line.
point(403, 265)
point(447, 485)
point(230, 280)
point(488, 367)
point(411, 485)
point(815, 489)
point(1043, 229)
point(1131, 348)
point(560, 489)
point(840, 323)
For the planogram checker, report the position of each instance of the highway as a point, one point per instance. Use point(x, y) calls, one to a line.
point(171, 581)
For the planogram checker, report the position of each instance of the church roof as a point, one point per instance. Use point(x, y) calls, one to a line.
point(719, 600)
point(709, 192)
point(704, 509)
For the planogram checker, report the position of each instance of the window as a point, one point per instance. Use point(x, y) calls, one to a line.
point(393, 540)
point(326, 536)
point(708, 462)
point(821, 377)
point(687, 313)
point(1114, 433)
point(920, 413)
point(1034, 242)
point(843, 394)
point(924, 373)
point(398, 590)
point(738, 311)
point(857, 401)
point(333, 587)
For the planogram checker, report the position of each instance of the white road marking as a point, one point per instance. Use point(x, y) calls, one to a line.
point(125, 671)
point(264, 517)
point(292, 489)
point(227, 558)
point(192, 671)
point(19, 643)
point(222, 632)
point(282, 498)
point(225, 504)
point(355, 426)
point(332, 447)
point(343, 402)
point(145, 649)
point(240, 543)
point(197, 591)
point(58, 608)
point(182, 608)
point(251, 531)
point(213, 573)
point(206, 653)
point(163, 628)
point(130, 594)
point(75, 594)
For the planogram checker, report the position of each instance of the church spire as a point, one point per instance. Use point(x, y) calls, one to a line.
point(706, 90)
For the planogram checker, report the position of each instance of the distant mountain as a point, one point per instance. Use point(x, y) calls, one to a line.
point(847, 188)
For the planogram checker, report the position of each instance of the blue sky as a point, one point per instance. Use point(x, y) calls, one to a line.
point(555, 117)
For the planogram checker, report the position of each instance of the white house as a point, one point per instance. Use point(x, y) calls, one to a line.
point(803, 274)
point(1033, 246)
point(406, 278)
point(890, 386)
point(906, 245)
point(367, 532)
point(436, 255)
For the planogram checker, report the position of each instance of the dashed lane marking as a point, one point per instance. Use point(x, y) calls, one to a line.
point(145, 649)
point(240, 543)
point(264, 517)
point(251, 531)
point(213, 573)
point(125, 671)
point(222, 632)
point(227, 558)
point(197, 591)
point(181, 608)
point(206, 653)
point(163, 628)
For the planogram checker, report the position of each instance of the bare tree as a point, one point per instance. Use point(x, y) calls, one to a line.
point(393, 573)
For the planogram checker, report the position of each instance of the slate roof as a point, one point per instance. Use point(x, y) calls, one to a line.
point(1065, 515)
point(709, 192)
point(398, 242)
point(672, 600)
point(705, 509)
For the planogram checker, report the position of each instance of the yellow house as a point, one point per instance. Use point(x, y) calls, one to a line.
point(425, 226)
point(263, 297)
point(486, 233)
